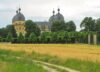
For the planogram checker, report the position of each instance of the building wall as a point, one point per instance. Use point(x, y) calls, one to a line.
point(20, 27)
point(44, 26)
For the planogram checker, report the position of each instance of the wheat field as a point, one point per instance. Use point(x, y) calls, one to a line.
point(64, 51)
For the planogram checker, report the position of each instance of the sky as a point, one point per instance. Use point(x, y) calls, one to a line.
point(41, 10)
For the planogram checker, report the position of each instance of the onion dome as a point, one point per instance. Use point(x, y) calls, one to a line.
point(59, 16)
point(52, 18)
point(19, 16)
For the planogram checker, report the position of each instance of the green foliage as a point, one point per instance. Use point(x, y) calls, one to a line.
point(3, 32)
point(61, 32)
point(64, 37)
point(1, 39)
point(9, 37)
point(81, 37)
point(17, 62)
point(21, 38)
point(88, 24)
point(58, 26)
point(31, 27)
point(32, 38)
point(70, 26)
point(98, 25)
point(46, 37)
point(61, 37)
point(11, 29)
point(8, 29)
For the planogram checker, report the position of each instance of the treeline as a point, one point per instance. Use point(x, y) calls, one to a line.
point(61, 32)
point(49, 37)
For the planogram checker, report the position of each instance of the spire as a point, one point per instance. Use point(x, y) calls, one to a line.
point(19, 9)
point(58, 10)
point(53, 12)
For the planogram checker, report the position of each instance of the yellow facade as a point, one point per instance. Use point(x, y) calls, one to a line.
point(19, 27)
point(44, 28)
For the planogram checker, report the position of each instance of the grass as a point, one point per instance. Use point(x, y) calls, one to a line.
point(9, 63)
point(19, 67)
point(83, 66)
point(82, 57)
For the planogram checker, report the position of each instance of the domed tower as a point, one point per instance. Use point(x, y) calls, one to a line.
point(19, 22)
point(59, 16)
point(51, 20)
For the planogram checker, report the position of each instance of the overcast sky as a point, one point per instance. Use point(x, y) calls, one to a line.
point(41, 10)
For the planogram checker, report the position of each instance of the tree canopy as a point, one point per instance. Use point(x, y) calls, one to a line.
point(32, 38)
point(88, 24)
point(70, 26)
point(11, 29)
point(31, 27)
point(98, 25)
point(58, 26)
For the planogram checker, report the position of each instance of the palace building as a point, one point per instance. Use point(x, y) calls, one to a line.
point(19, 22)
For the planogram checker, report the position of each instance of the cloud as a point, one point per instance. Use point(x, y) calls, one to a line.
point(37, 10)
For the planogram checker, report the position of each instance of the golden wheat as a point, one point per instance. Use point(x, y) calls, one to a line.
point(78, 51)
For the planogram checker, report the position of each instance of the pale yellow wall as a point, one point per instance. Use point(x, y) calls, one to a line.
point(20, 27)
point(44, 28)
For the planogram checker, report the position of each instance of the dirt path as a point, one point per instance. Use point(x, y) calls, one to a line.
point(56, 66)
point(49, 69)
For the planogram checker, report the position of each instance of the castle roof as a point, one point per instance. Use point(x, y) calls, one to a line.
point(19, 16)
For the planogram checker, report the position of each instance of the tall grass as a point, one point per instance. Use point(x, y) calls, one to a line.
point(9, 62)
point(82, 66)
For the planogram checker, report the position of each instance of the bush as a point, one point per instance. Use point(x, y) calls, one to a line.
point(21, 38)
point(1, 39)
point(32, 38)
point(9, 37)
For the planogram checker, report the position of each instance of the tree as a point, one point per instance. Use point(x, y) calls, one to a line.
point(9, 37)
point(98, 25)
point(70, 26)
point(61, 37)
point(58, 26)
point(54, 37)
point(98, 29)
point(11, 29)
point(8, 29)
point(81, 37)
point(32, 38)
point(20, 38)
point(3, 32)
point(58, 37)
point(1, 39)
point(71, 37)
point(46, 37)
point(88, 24)
point(31, 27)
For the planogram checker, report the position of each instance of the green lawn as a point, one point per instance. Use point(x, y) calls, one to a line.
point(19, 67)
point(80, 65)
point(9, 63)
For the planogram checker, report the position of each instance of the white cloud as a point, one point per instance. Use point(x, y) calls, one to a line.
point(37, 9)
